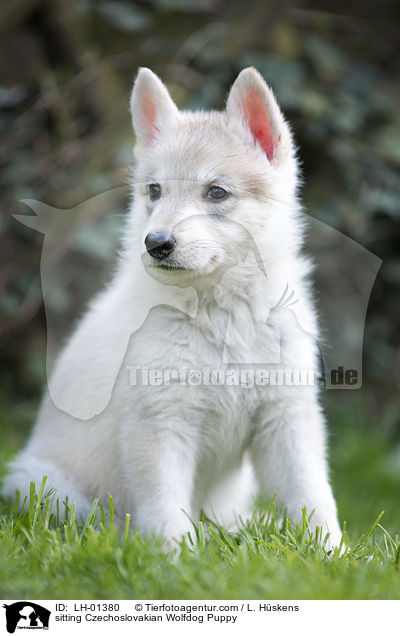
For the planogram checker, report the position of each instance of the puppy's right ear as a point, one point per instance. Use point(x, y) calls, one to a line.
point(253, 111)
point(151, 107)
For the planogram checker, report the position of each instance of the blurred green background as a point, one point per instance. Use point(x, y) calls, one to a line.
point(66, 70)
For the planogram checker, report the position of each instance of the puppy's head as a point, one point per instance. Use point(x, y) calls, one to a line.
point(208, 185)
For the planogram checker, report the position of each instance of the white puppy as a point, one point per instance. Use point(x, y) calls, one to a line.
point(212, 242)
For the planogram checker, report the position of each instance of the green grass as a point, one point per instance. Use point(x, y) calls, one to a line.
point(44, 557)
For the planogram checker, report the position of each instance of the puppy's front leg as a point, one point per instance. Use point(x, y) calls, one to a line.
point(288, 452)
point(158, 473)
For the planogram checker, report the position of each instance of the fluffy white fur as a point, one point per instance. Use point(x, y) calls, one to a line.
point(163, 449)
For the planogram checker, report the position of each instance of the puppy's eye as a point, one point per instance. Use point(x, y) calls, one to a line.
point(215, 193)
point(154, 191)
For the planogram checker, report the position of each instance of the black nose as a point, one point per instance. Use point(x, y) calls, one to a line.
point(160, 245)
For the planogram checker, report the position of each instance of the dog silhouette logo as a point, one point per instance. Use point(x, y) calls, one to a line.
point(346, 273)
point(26, 615)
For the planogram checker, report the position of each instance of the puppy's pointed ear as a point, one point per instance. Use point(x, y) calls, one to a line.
point(151, 107)
point(253, 111)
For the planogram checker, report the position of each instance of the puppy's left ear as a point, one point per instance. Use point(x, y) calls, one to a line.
point(152, 109)
point(253, 112)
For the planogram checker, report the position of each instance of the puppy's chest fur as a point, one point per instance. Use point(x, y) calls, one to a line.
point(201, 347)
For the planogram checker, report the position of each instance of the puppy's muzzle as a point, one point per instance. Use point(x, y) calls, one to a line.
point(160, 245)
